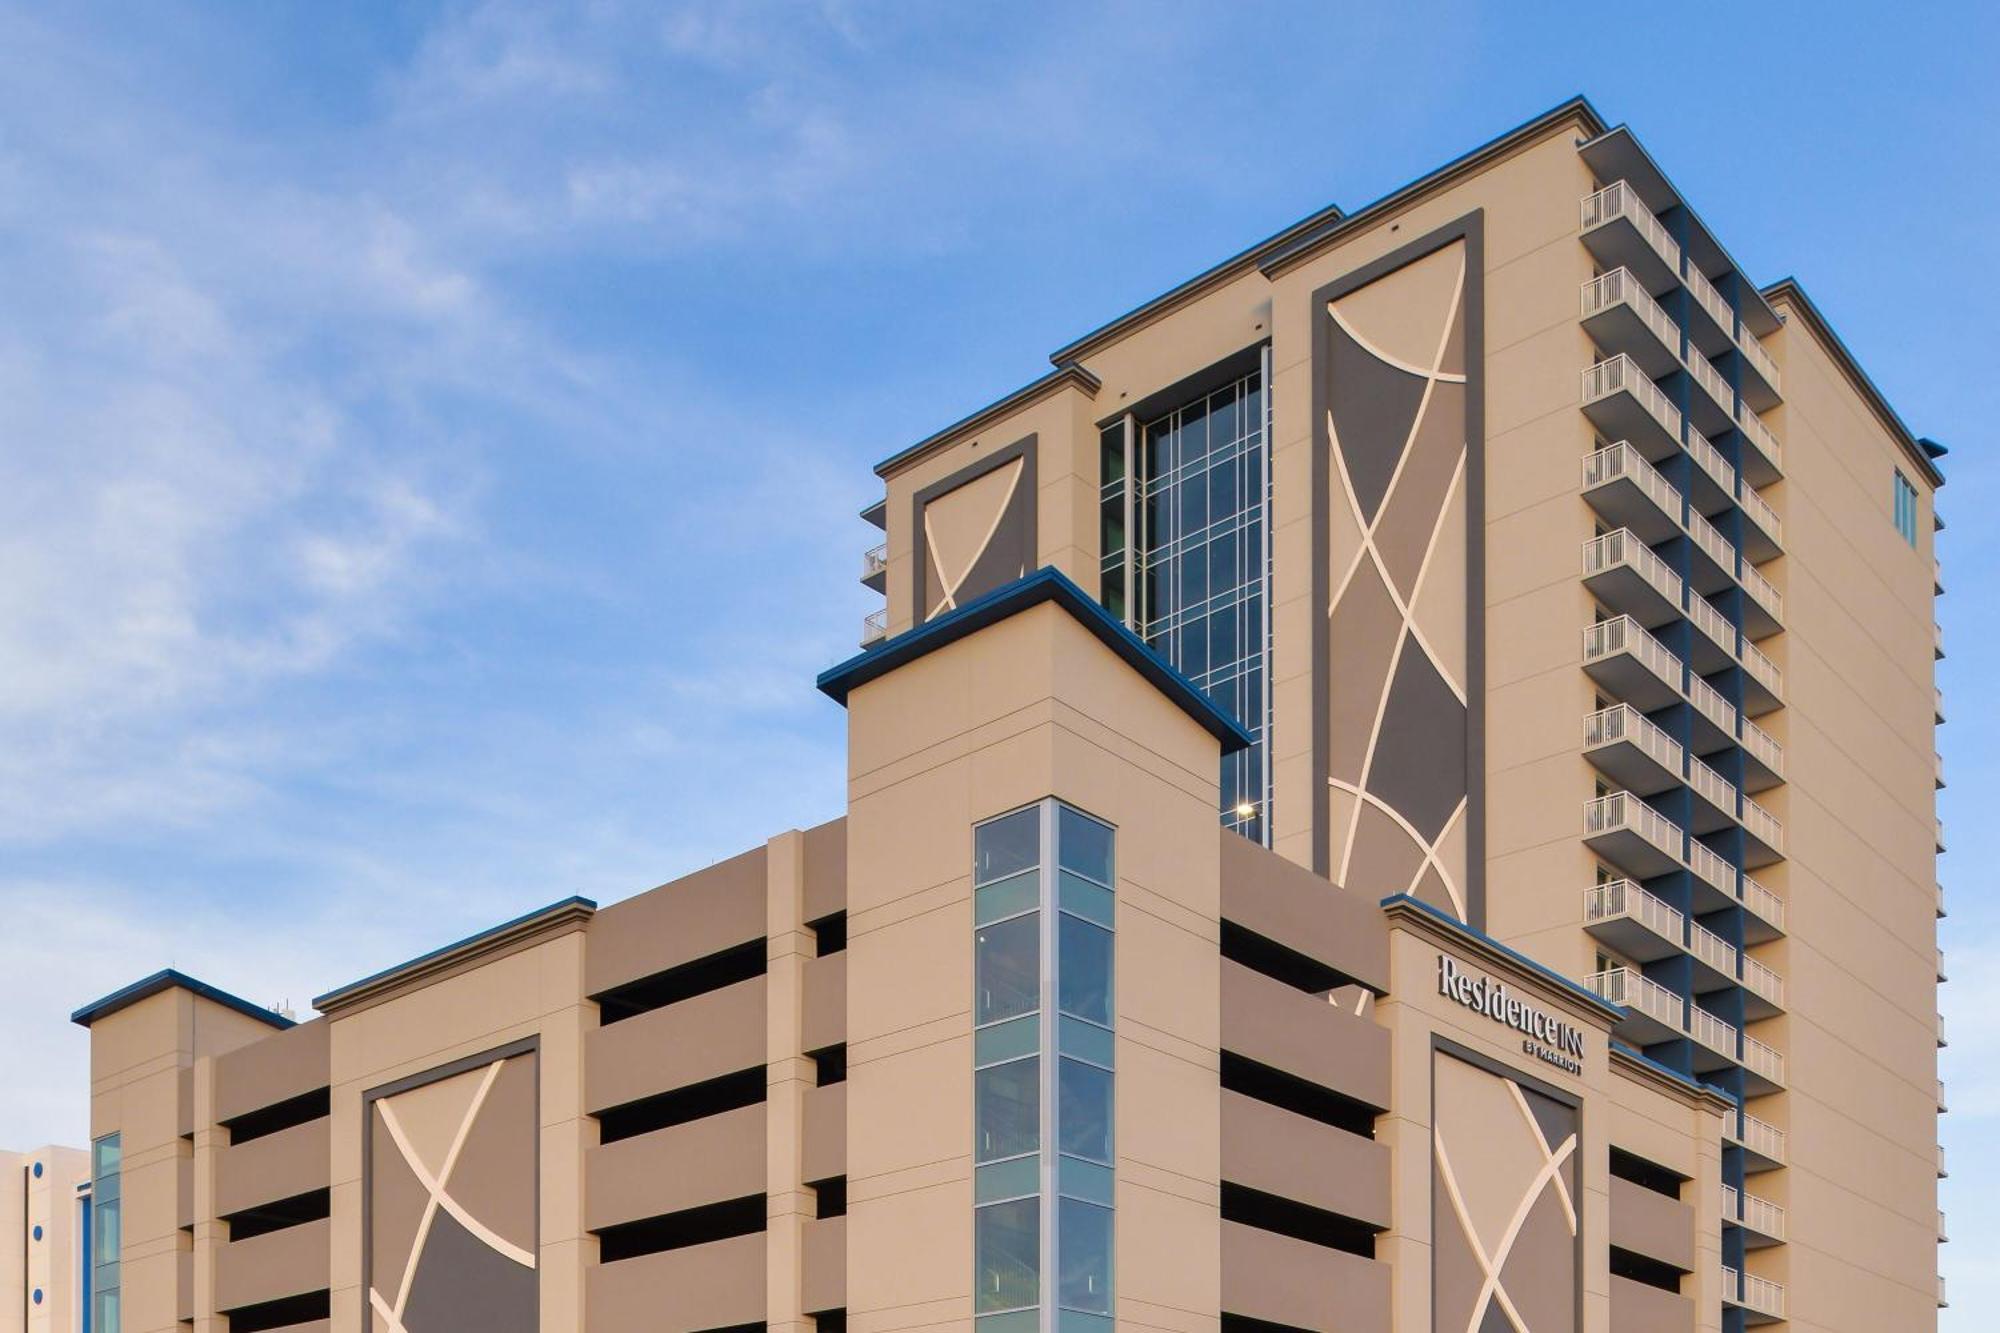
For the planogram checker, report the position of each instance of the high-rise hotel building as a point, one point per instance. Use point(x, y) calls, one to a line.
point(1392, 790)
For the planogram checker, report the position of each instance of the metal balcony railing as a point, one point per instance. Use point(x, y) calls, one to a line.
point(1622, 373)
point(1763, 747)
point(1762, 590)
point(1711, 1031)
point(1763, 981)
point(1619, 200)
point(1623, 634)
point(1759, 1136)
point(1764, 903)
point(1712, 868)
point(1619, 287)
point(1764, 1059)
point(1753, 352)
point(1711, 461)
point(1711, 381)
point(1761, 513)
point(1764, 825)
point(1753, 1293)
point(1624, 986)
point(1711, 622)
point(1755, 431)
point(1621, 461)
point(874, 626)
point(1713, 543)
point(1710, 300)
point(1624, 723)
point(875, 560)
point(1624, 898)
point(1712, 705)
point(1623, 547)
point(1760, 1215)
point(1710, 785)
point(1712, 949)
point(1768, 673)
point(1622, 810)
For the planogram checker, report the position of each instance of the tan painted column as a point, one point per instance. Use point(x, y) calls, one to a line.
point(788, 1203)
point(210, 1235)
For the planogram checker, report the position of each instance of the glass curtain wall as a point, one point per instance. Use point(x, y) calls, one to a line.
point(1186, 562)
point(105, 1231)
point(1043, 1078)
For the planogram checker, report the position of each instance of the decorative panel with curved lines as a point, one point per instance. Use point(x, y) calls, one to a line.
point(1505, 1190)
point(1396, 417)
point(451, 1199)
point(974, 531)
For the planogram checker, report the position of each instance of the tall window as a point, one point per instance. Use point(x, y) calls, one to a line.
point(1043, 1071)
point(105, 1232)
point(1906, 509)
point(1186, 561)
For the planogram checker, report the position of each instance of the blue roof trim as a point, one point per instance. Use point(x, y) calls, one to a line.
point(169, 979)
point(1044, 585)
point(373, 978)
point(1583, 993)
point(1676, 1075)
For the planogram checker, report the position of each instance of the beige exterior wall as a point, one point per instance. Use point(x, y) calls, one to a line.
point(1860, 881)
point(1031, 707)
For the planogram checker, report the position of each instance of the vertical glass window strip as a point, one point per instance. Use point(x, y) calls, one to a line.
point(1112, 536)
point(1084, 1099)
point(1906, 509)
point(1043, 935)
point(1200, 568)
point(105, 1231)
point(1007, 1085)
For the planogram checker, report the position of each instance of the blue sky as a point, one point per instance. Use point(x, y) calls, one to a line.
point(430, 436)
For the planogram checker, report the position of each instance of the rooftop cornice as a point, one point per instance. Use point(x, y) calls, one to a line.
point(169, 979)
point(1793, 293)
point(1641, 1069)
point(1062, 377)
point(507, 937)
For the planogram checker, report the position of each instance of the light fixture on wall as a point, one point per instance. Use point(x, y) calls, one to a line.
point(1246, 809)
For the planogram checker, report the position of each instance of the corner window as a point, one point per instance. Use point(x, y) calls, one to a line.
point(106, 1207)
point(1906, 509)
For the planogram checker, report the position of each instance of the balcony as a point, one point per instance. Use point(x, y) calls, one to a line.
point(1626, 405)
point(1764, 989)
point(1715, 806)
point(1765, 537)
point(1764, 680)
point(1652, 1012)
point(1943, 1108)
point(1637, 924)
point(874, 627)
point(1766, 912)
point(1937, 704)
point(1940, 965)
point(1716, 955)
point(1621, 318)
point(1764, 608)
point(1767, 758)
point(1714, 408)
point(1714, 566)
point(1937, 770)
point(1765, 1066)
point(1940, 836)
point(1762, 1221)
point(1761, 1300)
point(1716, 1038)
point(1942, 1043)
point(1761, 385)
point(1720, 884)
point(1621, 656)
point(1941, 913)
point(1762, 1142)
point(1711, 708)
point(1766, 842)
point(1625, 575)
point(1714, 325)
point(1628, 492)
point(1937, 642)
point(1763, 459)
point(1622, 232)
point(1941, 1171)
point(875, 566)
point(1631, 835)
point(1633, 752)
point(1715, 648)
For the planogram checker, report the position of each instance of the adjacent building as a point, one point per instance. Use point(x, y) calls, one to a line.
point(1393, 789)
point(45, 1228)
